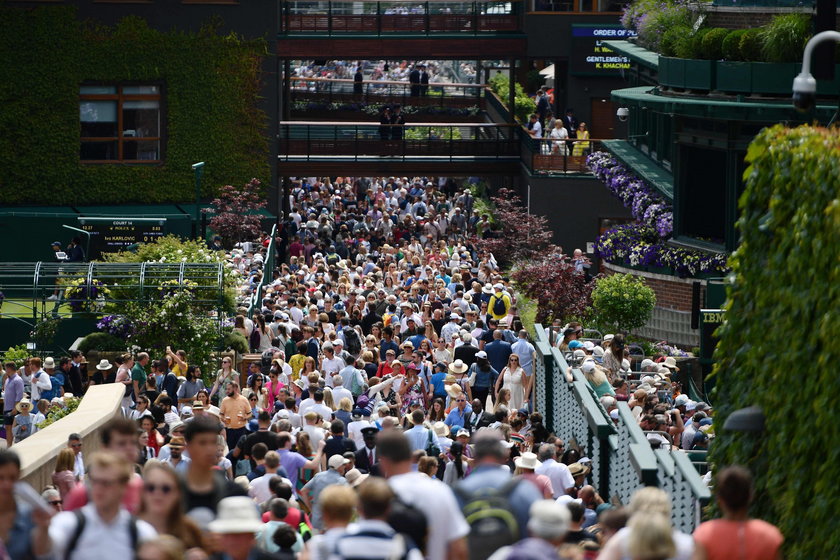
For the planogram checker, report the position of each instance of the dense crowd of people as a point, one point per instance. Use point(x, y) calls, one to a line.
point(388, 415)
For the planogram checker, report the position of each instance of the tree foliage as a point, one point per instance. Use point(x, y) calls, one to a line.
point(777, 347)
point(520, 235)
point(622, 301)
point(235, 218)
point(552, 282)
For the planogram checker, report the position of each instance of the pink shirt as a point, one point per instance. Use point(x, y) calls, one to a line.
point(542, 482)
point(748, 540)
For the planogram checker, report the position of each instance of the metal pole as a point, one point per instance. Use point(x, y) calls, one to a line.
point(198, 169)
point(512, 92)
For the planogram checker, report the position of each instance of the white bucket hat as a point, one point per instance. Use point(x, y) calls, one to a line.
point(527, 460)
point(237, 514)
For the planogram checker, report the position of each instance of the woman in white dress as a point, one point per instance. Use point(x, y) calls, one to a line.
point(513, 378)
point(559, 135)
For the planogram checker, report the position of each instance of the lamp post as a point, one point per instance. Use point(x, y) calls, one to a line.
point(805, 85)
point(198, 169)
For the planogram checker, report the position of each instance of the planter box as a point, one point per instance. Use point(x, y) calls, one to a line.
point(773, 78)
point(733, 77)
point(672, 72)
point(699, 74)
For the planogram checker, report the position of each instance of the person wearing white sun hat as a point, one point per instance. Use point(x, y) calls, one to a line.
point(237, 524)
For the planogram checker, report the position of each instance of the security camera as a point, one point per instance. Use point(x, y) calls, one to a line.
point(804, 91)
point(622, 113)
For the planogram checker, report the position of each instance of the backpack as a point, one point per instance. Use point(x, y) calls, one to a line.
point(363, 401)
point(357, 388)
point(499, 307)
point(408, 520)
point(489, 514)
point(80, 528)
point(431, 449)
point(394, 547)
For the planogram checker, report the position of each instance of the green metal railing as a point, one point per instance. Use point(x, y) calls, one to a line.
point(622, 459)
point(268, 269)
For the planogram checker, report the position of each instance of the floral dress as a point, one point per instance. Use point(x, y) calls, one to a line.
point(414, 393)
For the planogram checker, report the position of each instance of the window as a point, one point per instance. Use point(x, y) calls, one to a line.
point(120, 123)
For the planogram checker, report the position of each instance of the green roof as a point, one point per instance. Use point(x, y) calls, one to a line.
point(642, 166)
point(634, 52)
point(704, 106)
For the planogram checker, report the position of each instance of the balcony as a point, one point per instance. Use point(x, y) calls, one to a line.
point(316, 98)
point(432, 147)
point(389, 18)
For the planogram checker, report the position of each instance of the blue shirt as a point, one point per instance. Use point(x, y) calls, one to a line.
point(498, 353)
point(484, 379)
point(494, 476)
point(389, 345)
point(13, 393)
point(457, 418)
point(438, 386)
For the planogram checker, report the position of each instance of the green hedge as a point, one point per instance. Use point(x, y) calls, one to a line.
point(211, 89)
point(777, 348)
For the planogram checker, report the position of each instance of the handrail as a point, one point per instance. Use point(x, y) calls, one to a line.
point(383, 82)
point(347, 124)
point(268, 268)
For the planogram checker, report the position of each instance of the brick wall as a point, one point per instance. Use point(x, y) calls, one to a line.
point(671, 318)
point(743, 17)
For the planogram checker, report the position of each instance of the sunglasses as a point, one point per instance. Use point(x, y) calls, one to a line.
point(252, 399)
point(55, 502)
point(164, 488)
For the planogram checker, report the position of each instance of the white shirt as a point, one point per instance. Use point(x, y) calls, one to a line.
point(559, 475)
point(354, 432)
point(418, 437)
point(331, 366)
point(259, 490)
point(437, 502)
point(316, 434)
point(617, 548)
point(99, 539)
point(322, 409)
point(42, 384)
point(340, 393)
point(79, 466)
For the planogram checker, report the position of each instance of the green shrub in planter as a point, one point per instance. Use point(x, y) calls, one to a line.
point(731, 46)
point(751, 45)
point(102, 342)
point(690, 45)
point(784, 38)
point(668, 43)
point(623, 301)
point(712, 43)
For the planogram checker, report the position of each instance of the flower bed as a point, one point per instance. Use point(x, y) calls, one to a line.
point(644, 243)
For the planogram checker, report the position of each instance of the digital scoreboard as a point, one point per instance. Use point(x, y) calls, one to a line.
point(590, 57)
point(109, 235)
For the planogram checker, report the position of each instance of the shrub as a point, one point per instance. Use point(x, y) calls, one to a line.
point(235, 341)
point(731, 46)
point(16, 354)
point(101, 342)
point(552, 282)
point(788, 224)
point(235, 219)
point(668, 43)
point(659, 20)
point(712, 43)
point(622, 301)
point(751, 46)
point(784, 38)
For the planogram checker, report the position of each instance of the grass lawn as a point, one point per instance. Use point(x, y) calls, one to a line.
point(23, 308)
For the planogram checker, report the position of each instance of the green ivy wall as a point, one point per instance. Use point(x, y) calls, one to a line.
point(211, 87)
point(778, 348)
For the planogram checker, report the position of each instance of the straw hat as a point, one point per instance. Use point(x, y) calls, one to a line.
point(354, 477)
point(441, 429)
point(454, 390)
point(671, 363)
point(527, 460)
point(49, 363)
point(458, 366)
point(24, 403)
point(103, 365)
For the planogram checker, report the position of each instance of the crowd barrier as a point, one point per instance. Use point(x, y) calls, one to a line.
point(39, 451)
point(622, 459)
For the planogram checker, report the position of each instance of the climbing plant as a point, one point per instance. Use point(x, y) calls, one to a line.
point(210, 112)
point(778, 348)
